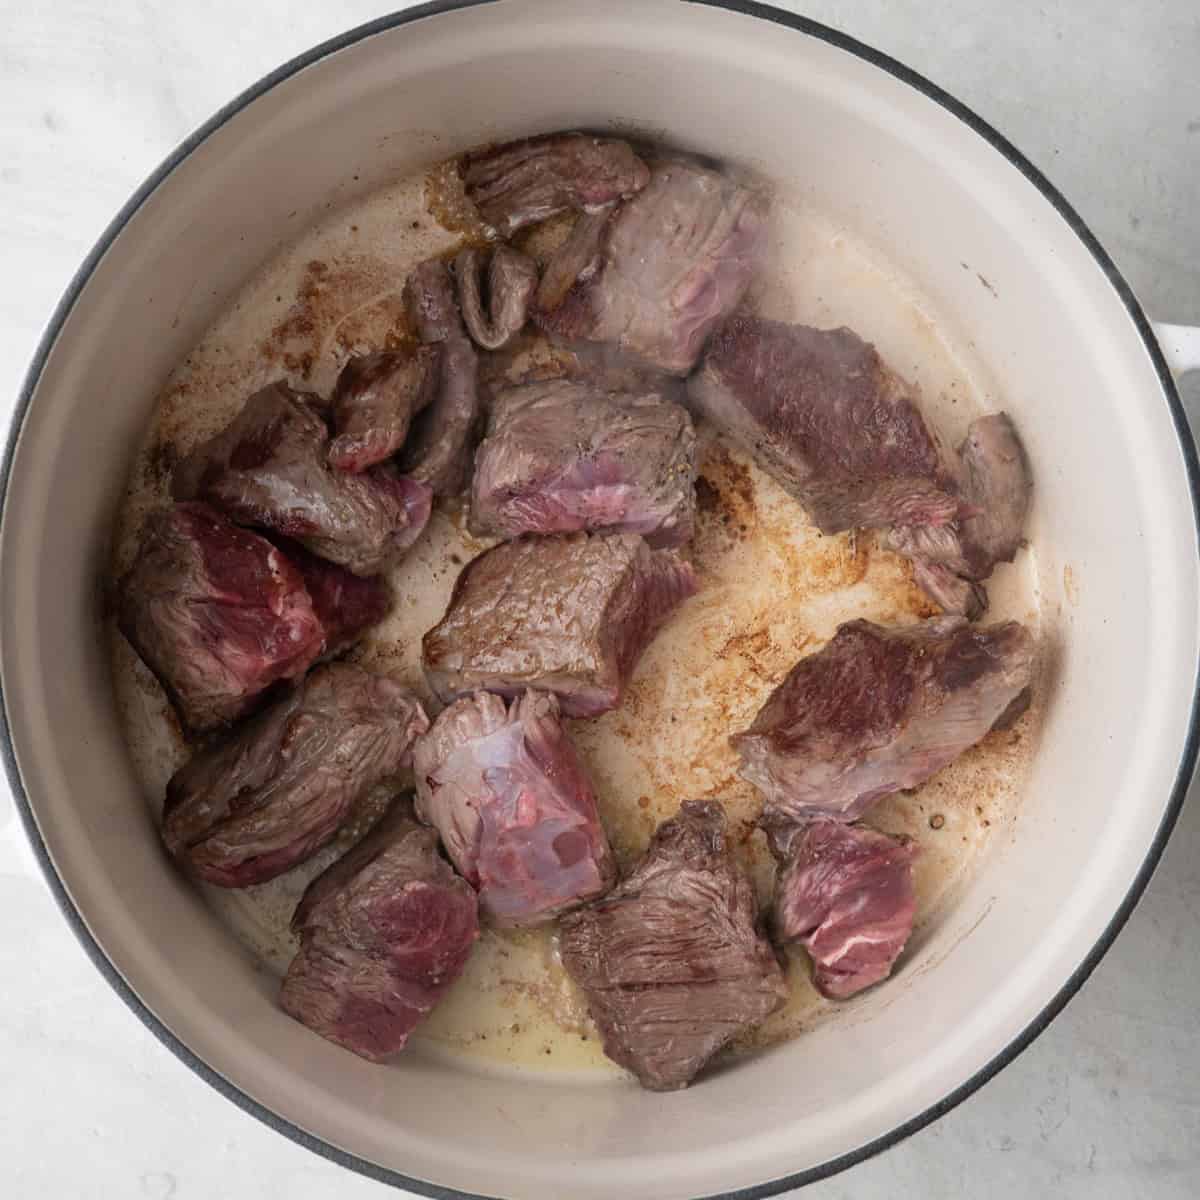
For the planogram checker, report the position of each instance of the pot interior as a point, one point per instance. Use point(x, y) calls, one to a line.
point(1115, 580)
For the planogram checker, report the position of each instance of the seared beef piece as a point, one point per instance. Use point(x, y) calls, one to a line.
point(347, 605)
point(996, 485)
point(569, 615)
point(561, 456)
point(826, 417)
point(439, 451)
point(512, 279)
point(846, 894)
point(376, 398)
point(255, 805)
point(878, 710)
point(677, 260)
point(823, 413)
point(504, 787)
point(217, 613)
point(578, 258)
point(269, 467)
point(521, 183)
point(671, 960)
point(383, 933)
point(430, 303)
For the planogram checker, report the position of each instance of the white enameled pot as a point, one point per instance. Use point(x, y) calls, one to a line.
point(909, 169)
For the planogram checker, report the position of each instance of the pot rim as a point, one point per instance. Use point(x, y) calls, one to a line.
point(1191, 745)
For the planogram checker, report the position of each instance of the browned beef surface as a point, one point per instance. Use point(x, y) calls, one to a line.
point(521, 183)
point(877, 710)
point(575, 260)
point(569, 614)
point(383, 933)
point(561, 456)
point(376, 398)
point(495, 316)
point(825, 416)
point(250, 807)
point(673, 262)
point(438, 451)
point(822, 413)
point(671, 961)
point(950, 562)
point(269, 467)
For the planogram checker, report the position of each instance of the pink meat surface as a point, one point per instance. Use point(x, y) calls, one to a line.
point(383, 933)
point(677, 259)
point(846, 894)
point(876, 710)
point(562, 456)
point(503, 785)
point(218, 613)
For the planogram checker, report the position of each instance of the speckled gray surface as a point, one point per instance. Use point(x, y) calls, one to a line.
point(1104, 97)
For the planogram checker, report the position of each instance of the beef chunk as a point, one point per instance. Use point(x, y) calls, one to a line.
point(877, 710)
point(376, 398)
point(251, 807)
point(269, 468)
point(383, 933)
point(561, 456)
point(677, 260)
point(577, 259)
point(505, 788)
point(521, 183)
point(827, 418)
point(996, 486)
point(569, 615)
point(430, 303)
point(217, 613)
point(512, 279)
point(671, 960)
point(846, 894)
point(347, 605)
point(438, 452)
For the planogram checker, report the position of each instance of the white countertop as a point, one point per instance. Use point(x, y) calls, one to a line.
point(94, 94)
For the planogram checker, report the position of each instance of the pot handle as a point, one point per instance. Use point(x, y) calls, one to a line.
point(1180, 346)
